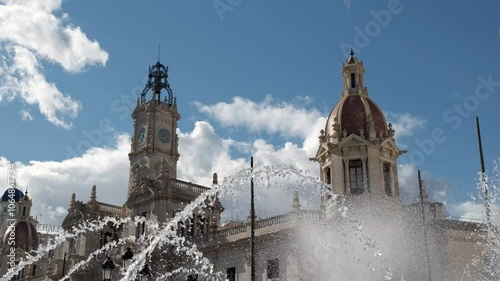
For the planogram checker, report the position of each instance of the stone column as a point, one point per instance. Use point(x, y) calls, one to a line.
point(365, 175)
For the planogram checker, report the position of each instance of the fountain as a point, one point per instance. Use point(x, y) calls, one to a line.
point(346, 240)
point(489, 257)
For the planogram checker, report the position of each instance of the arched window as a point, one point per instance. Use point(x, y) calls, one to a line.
point(353, 80)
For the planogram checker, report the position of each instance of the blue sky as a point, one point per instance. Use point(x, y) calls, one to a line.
point(423, 59)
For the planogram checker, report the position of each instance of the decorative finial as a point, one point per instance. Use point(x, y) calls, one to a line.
point(93, 193)
point(296, 201)
point(352, 52)
point(361, 132)
point(73, 200)
point(215, 180)
point(391, 130)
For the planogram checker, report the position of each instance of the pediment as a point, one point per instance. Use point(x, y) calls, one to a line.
point(322, 150)
point(390, 144)
point(353, 140)
point(141, 194)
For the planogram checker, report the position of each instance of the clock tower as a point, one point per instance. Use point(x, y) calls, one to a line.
point(154, 151)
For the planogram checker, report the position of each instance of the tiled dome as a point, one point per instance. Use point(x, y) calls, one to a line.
point(356, 112)
point(26, 236)
point(18, 195)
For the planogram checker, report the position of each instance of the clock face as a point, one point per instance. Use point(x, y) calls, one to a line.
point(141, 136)
point(163, 135)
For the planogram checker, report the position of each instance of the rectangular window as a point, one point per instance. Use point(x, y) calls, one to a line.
point(328, 176)
point(387, 178)
point(353, 80)
point(193, 277)
point(180, 228)
point(143, 225)
point(356, 176)
point(231, 274)
point(273, 269)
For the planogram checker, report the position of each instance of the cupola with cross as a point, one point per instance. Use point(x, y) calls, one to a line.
point(357, 152)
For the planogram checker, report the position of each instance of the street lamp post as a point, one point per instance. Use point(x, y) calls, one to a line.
point(127, 258)
point(107, 269)
point(145, 273)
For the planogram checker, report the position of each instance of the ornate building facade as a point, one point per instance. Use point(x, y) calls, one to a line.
point(357, 158)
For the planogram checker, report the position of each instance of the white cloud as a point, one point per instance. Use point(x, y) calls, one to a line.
point(36, 25)
point(203, 153)
point(268, 116)
point(271, 117)
point(31, 31)
point(404, 124)
point(468, 211)
point(25, 115)
point(50, 183)
point(24, 78)
point(475, 209)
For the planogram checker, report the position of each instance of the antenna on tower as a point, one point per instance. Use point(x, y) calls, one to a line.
point(159, 51)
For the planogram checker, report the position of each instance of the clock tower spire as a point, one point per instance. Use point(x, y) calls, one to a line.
point(154, 148)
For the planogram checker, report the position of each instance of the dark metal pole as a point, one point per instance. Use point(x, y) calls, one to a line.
point(427, 258)
point(252, 225)
point(483, 174)
point(64, 265)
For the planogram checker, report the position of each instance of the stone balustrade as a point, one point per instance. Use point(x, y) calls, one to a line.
point(188, 186)
point(281, 220)
point(112, 209)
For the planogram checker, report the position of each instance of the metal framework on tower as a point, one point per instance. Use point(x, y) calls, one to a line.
point(157, 80)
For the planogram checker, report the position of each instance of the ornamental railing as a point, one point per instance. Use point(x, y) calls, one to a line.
point(188, 186)
point(112, 208)
point(234, 230)
point(309, 215)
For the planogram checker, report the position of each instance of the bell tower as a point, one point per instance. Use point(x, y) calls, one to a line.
point(155, 142)
point(357, 152)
